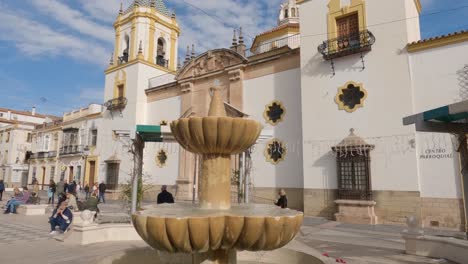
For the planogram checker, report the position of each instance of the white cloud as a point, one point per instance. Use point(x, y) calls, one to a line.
point(35, 39)
point(216, 31)
point(103, 10)
point(74, 19)
point(91, 36)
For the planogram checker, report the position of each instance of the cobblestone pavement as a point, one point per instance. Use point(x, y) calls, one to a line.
point(17, 229)
point(25, 239)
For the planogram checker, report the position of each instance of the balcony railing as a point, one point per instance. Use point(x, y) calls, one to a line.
point(44, 155)
point(346, 45)
point(70, 150)
point(292, 42)
point(116, 104)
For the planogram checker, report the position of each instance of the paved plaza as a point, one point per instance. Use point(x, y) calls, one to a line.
point(25, 239)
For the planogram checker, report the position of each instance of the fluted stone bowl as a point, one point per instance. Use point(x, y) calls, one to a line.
point(216, 135)
point(188, 229)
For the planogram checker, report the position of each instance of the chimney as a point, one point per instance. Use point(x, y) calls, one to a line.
point(33, 111)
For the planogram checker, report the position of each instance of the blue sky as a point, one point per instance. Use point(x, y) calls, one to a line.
point(53, 52)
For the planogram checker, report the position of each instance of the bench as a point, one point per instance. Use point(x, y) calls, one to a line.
point(32, 209)
point(78, 219)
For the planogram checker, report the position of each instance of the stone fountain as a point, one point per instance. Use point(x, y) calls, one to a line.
point(213, 231)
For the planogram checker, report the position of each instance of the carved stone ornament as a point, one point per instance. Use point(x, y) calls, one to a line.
point(210, 61)
point(275, 151)
point(274, 112)
point(161, 158)
point(351, 96)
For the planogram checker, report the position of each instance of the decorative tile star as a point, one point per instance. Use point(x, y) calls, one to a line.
point(351, 96)
point(274, 112)
point(275, 151)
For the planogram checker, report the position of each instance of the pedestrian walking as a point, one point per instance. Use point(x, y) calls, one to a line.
point(65, 186)
point(164, 196)
point(51, 192)
point(87, 191)
point(102, 192)
point(2, 189)
point(72, 188)
point(35, 187)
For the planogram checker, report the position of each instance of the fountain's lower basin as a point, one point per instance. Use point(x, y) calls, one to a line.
point(190, 229)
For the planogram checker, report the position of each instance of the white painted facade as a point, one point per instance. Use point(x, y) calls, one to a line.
point(439, 78)
point(387, 80)
point(16, 128)
point(284, 87)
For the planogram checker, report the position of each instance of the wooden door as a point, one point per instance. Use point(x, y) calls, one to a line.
point(348, 31)
point(43, 177)
point(70, 175)
point(92, 169)
point(347, 25)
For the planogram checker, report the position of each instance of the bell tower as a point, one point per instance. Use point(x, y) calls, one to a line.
point(148, 32)
point(146, 39)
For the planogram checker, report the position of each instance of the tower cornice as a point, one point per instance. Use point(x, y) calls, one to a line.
point(127, 19)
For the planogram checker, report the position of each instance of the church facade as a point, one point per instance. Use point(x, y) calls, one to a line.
point(330, 89)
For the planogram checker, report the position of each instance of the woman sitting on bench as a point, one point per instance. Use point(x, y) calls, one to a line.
point(61, 217)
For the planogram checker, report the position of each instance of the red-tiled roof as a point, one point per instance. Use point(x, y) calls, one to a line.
point(292, 25)
point(440, 37)
point(27, 113)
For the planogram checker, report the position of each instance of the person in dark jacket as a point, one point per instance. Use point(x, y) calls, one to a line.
point(87, 191)
point(65, 186)
point(2, 189)
point(164, 196)
point(102, 192)
point(283, 200)
point(61, 217)
point(51, 192)
point(72, 188)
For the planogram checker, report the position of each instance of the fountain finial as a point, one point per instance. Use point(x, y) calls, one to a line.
point(217, 104)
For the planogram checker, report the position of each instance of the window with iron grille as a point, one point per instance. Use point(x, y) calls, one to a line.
point(94, 133)
point(354, 182)
point(112, 177)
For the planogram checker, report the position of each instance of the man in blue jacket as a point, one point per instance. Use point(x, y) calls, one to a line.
point(61, 217)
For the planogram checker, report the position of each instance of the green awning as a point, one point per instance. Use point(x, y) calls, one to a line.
point(446, 114)
point(150, 133)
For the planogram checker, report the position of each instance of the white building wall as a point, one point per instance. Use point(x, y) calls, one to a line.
point(387, 81)
point(133, 114)
point(438, 80)
point(260, 92)
point(168, 110)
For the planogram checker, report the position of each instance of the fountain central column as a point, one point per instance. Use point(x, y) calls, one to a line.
point(215, 182)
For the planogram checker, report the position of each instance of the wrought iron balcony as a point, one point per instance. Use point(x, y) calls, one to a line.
point(162, 62)
point(44, 155)
point(71, 150)
point(116, 104)
point(358, 42)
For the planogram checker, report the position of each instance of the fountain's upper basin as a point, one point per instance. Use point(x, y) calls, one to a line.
point(190, 229)
point(216, 135)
